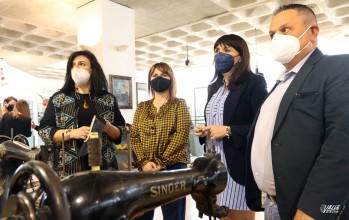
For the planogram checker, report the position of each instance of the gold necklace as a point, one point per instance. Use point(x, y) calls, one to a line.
point(85, 105)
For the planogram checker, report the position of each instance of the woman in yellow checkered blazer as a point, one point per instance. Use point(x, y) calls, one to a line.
point(160, 133)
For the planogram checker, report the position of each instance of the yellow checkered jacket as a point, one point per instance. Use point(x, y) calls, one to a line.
point(161, 137)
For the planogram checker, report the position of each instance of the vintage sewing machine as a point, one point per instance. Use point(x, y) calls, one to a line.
point(101, 194)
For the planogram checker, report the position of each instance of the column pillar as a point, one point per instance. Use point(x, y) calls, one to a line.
point(107, 29)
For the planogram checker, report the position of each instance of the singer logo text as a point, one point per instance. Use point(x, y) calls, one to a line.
point(167, 188)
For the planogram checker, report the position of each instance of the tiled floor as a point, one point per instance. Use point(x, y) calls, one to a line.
point(192, 212)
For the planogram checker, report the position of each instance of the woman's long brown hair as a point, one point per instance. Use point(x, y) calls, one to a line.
point(21, 108)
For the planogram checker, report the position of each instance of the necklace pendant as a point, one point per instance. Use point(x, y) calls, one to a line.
point(85, 105)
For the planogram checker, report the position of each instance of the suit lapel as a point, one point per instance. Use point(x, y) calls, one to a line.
point(295, 86)
point(230, 105)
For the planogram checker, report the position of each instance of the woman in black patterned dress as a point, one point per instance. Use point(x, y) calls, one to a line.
point(71, 109)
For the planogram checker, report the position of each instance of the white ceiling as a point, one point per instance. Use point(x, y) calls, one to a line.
point(36, 34)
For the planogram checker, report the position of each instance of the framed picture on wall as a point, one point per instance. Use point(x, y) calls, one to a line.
point(121, 87)
point(142, 92)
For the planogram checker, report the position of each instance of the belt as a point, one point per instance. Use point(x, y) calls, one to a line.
point(272, 199)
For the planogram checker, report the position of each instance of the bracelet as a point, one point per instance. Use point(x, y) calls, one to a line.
point(68, 132)
point(228, 131)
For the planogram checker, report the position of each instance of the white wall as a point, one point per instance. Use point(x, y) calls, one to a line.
point(101, 29)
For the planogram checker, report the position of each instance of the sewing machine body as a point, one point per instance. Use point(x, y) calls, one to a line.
point(104, 194)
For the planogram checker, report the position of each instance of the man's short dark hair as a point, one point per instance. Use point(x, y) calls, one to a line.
point(299, 7)
point(8, 99)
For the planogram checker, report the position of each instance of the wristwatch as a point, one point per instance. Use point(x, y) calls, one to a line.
point(228, 131)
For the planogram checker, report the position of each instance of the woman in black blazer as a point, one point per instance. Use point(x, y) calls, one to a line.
point(234, 97)
point(17, 121)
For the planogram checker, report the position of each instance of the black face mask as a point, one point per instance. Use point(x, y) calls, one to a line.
point(160, 84)
point(10, 107)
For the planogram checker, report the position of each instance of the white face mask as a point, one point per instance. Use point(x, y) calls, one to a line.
point(285, 47)
point(80, 76)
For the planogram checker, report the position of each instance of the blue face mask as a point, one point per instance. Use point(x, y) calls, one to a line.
point(223, 62)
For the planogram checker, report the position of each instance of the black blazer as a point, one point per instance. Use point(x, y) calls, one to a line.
point(310, 143)
point(240, 108)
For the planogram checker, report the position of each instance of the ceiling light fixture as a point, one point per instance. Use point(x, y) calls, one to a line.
point(187, 61)
point(255, 36)
point(121, 48)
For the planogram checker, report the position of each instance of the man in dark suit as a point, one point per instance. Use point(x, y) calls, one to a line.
point(298, 146)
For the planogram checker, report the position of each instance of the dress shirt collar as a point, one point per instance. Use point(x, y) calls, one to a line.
point(284, 76)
